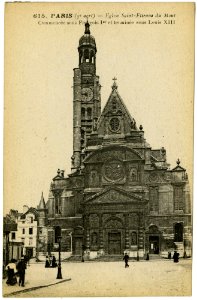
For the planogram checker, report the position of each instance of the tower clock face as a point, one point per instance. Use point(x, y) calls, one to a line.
point(86, 94)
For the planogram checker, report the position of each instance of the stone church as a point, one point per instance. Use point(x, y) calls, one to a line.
point(121, 195)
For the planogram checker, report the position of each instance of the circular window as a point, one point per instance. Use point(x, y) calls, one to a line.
point(114, 124)
point(114, 170)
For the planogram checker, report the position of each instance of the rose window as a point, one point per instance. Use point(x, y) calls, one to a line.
point(114, 124)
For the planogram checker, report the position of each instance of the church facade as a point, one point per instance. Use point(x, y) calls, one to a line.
point(121, 195)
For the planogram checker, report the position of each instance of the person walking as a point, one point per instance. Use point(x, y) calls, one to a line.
point(11, 273)
point(126, 259)
point(47, 264)
point(21, 267)
point(54, 264)
point(176, 257)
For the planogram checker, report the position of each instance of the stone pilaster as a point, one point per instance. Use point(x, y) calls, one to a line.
point(126, 232)
point(101, 233)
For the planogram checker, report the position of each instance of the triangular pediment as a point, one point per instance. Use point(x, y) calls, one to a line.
point(116, 109)
point(114, 195)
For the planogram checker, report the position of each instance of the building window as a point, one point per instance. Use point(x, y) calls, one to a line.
point(23, 240)
point(30, 230)
point(13, 236)
point(154, 199)
point(23, 230)
point(58, 203)
point(178, 198)
point(178, 232)
point(114, 124)
point(31, 219)
point(83, 111)
point(30, 241)
point(133, 238)
point(89, 113)
point(57, 233)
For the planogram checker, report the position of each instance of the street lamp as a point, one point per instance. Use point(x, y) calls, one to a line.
point(59, 272)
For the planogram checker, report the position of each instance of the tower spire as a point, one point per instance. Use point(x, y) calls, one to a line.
point(42, 204)
point(87, 28)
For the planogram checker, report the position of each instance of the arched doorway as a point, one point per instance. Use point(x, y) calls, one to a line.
point(154, 239)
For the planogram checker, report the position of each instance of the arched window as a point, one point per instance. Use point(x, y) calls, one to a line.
point(89, 113)
point(58, 203)
point(86, 55)
point(178, 232)
point(133, 238)
point(83, 111)
point(91, 57)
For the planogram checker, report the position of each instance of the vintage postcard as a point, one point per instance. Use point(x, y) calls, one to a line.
point(98, 149)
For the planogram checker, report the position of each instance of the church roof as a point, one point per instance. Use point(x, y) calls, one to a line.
point(42, 204)
point(30, 210)
point(116, 104)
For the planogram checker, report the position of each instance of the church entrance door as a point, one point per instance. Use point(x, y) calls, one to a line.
point(154, 244)
point(114, 243)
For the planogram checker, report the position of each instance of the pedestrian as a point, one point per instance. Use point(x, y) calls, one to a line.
point(126, 259)
point(50, 260)
point(169, 255)
point(11, 273)
point(47, 264)
point(147, 256)
point(21, 267)
point(176, 256)
point(54, 264)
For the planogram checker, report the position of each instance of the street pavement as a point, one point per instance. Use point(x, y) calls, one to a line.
point(143, 278)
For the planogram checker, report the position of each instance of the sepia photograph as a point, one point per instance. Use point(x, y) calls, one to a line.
point(98, 149)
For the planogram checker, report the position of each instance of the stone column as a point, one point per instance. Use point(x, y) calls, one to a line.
point(101, 234)
point(141, 234)
point(87, 233)
point(126, 232)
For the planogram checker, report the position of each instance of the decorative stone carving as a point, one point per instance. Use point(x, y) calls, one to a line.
point(113, 224)
point(94, 221)
point(133, 220)
point(114, 170)
point(153, 177)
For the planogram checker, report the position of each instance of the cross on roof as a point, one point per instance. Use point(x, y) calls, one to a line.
point(114, 86)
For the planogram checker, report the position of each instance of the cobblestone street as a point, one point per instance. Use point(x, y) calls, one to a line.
point(144, 278)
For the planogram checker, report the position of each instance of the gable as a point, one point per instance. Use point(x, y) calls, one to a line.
point(114, 195)
point(115, 118)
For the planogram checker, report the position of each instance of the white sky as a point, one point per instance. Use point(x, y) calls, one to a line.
point(153, 65)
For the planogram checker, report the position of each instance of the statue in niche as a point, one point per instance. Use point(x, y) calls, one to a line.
point(133, 174)
point(94, 238)
point(133, 238)
point(93, 178)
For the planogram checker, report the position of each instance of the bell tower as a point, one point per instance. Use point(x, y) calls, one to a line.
point(86, 96)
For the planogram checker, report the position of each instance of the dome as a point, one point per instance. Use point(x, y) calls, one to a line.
point(87, 38)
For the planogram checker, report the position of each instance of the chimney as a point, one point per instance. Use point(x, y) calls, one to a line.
point(62, 173)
